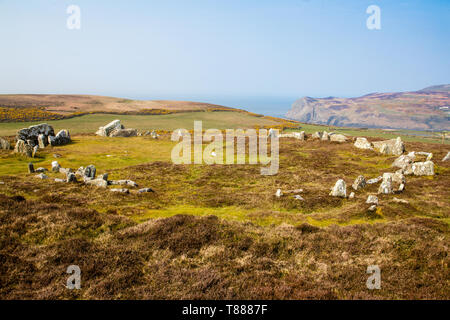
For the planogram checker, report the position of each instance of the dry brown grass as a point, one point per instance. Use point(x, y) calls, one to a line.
point(261, 247)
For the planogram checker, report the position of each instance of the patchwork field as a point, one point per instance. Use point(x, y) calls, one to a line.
point(219, 231)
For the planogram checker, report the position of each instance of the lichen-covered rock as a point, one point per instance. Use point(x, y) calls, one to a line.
point(404, 160)
point(123, 133)
point(338, 138)
point(97, 182)
point(423, 168)
point(339, 189)
point(386, 184)
point(359, 183)
point(363, 143)
point(31, 133)
point(106, 130)
point(42, 141)
point(390, 147)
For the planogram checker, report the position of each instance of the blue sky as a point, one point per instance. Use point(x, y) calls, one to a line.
point(196, 48)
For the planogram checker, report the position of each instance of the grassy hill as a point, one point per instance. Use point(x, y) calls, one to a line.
point(91, 123)
point(210, 232)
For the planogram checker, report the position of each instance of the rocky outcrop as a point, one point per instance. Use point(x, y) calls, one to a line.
point(363, 143)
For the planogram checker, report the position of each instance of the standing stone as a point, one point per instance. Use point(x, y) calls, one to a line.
point(55, 166)
point(35, 149)
point(71, 177)
point(325, 136)
point(23, 148)
point(359, 183)
point(386, 184)
point(4, 144)
point(363, 143)
point(90, 171)
point(30, 168)
point(339, 189)
point(372, 199)
point(278, 193)
point(384, 149)
point(42, 141)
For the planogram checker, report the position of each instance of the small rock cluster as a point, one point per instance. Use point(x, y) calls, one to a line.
point(88, 175)
point(33, 138)
point(408, 166)
point(116, 129)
